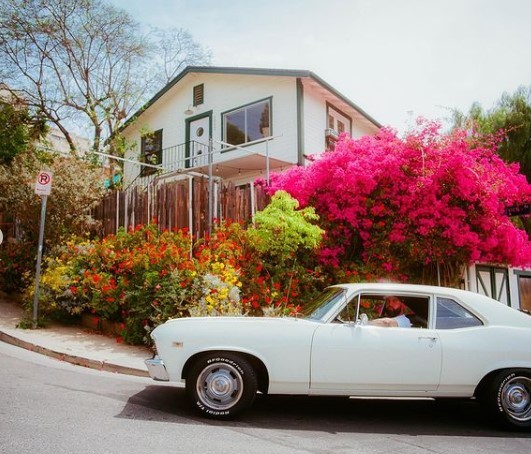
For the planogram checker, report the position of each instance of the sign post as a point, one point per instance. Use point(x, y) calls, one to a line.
point(43, 187)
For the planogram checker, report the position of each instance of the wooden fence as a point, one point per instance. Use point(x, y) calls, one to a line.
point(179, 204)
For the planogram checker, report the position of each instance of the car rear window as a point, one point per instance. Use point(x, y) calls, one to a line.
point(451, 315)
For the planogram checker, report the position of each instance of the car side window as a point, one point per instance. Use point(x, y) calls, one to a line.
point(451, 315)
point(407, 310)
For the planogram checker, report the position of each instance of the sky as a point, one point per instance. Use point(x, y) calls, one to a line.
point(396, 59)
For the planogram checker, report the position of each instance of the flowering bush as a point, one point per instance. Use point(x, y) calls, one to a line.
point(284, 238)
point(139, 278)
point(77, 187)
point(17, 261)
point(219, 293)
point(396, 205)
point(143, 277)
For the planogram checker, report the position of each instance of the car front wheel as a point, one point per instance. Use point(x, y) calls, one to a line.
point(221, 385)
point(509, 398)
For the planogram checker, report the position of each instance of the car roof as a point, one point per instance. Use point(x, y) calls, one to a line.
point(492, 311)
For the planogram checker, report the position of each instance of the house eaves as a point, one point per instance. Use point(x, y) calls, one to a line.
point(251, 72)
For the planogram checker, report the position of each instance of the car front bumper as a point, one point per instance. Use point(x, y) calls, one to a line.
point(157, 369)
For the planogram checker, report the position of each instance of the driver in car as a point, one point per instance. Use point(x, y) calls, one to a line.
point(393, 314)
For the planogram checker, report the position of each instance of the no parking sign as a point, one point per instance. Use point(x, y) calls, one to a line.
point(43, 185)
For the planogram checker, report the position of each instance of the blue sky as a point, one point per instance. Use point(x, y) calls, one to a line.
point(397, 59)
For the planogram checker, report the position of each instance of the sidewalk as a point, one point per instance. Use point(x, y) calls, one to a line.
point(74, 344)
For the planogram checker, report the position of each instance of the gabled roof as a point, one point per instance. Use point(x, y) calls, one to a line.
point(251, 72)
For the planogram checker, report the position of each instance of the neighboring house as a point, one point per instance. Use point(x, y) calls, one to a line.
point(55, 141)
point(254, 120)
point(510, 286)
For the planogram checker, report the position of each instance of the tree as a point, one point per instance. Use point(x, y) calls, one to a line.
point(177, 49)
point(84, 63)
point(511, 116)
point(17, 130)
point(77, 187)
point(403, 206)
point(511, 119)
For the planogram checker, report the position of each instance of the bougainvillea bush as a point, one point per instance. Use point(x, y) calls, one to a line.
point(395, 205)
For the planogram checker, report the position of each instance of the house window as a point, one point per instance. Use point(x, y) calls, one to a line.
point(151, 151)
point(340, 127)
point(337, 123)
point(524, 288)
point(199, 94)
point(247, 123)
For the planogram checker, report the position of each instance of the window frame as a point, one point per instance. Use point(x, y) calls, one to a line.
point(522, 275)
point(157, 137)
point(244, 107)
point(406, 297)
point(473, 315)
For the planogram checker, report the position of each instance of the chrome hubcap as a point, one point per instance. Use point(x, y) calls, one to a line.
point(220, 386)
point(516, 398)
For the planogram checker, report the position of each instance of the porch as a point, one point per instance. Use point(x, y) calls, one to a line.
point(214, 159)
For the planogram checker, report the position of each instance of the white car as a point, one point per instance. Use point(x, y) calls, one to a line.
point(371, 340)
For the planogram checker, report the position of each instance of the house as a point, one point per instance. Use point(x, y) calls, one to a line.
point(56, 142)
point(239, 123)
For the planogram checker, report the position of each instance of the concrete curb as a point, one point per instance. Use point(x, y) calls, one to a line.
point(73, 359)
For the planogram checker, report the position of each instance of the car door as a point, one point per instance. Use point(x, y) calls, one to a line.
point(366, 359)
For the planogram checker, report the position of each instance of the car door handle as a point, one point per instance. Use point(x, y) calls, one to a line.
point(432, 340)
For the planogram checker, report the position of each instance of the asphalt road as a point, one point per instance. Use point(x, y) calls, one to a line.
point(47, 406)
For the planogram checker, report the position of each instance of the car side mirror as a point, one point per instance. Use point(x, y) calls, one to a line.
point(363, 320)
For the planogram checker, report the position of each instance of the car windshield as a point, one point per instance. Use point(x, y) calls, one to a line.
point(319, 307)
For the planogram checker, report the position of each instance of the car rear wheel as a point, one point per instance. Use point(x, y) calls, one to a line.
point(221, 385)
point(508, 398)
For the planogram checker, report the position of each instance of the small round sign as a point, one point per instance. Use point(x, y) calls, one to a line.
point(43, 185)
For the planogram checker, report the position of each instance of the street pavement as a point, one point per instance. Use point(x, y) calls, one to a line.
point(74, 344)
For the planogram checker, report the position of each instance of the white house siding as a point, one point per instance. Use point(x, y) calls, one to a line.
point(362, 128)
point(315, 122)
point(228, 91)
point(222, 92)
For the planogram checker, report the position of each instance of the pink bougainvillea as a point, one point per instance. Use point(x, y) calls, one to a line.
point(427, 197)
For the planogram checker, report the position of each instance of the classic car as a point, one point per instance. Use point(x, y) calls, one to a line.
point(370, 340)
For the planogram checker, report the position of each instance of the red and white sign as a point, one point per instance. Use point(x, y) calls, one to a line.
point(43, 185)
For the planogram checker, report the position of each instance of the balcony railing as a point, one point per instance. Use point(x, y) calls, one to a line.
point(183, 157)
